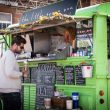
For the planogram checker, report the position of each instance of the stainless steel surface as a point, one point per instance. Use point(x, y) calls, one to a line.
point(42, 43)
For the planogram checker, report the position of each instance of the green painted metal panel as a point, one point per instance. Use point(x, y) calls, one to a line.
point(88, 11)
point(87, 100)
point(29, 96)
point(100, 45)
point(108, 92)
point(101, 84)
point(3, 41)
point(70, 61)
point(102, 9)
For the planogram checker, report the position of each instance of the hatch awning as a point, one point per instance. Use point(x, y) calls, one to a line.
point(44, 22)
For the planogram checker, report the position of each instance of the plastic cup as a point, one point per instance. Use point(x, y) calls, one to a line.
point(69, 104)
point(47, 103)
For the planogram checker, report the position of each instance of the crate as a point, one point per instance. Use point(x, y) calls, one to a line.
point(29, 96)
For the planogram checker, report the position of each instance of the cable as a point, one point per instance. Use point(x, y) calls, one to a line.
point(5, 40)
point(2, 103)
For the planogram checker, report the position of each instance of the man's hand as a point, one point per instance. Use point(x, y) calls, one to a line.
point(25, 71)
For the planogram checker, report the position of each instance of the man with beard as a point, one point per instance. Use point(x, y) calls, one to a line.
point(10, 75)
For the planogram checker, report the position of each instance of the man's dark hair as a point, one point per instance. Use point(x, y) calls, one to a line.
point(18, 40)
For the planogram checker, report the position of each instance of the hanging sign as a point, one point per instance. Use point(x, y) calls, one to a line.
point(65, 7)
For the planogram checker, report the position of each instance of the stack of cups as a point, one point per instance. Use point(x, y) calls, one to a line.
point(47, 103)
point(69, 104)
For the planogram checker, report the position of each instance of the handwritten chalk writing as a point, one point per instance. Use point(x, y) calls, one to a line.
point(64, 10)
point(71, 8)
point(32, 16)
point(64, 7)
point(67, 8)
point(59, 11)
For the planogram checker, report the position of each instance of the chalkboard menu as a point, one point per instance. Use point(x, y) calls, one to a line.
point(69, 74)
point(79, 79)
point(65, 7)
point(45, 80)
point(59, 75)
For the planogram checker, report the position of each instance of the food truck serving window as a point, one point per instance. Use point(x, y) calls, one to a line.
point(62, 41)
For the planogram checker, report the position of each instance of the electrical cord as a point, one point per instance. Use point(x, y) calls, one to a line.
point(2, 103)
point(5, 41)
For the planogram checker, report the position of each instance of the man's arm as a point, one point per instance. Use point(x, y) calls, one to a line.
point(10, 70)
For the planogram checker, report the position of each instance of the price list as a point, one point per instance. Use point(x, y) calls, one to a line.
point(79, 79)
point(69, 74)
point(59, 75)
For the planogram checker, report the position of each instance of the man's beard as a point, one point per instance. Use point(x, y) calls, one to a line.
point(18, 52)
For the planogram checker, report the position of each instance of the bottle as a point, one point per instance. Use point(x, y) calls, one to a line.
point(89, 50)
point(84, 51)
point(73, 52)
point(70, 51)
point(78, 51)
point(75, 98)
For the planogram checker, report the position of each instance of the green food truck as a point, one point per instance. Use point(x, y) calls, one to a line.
point(68, 59)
